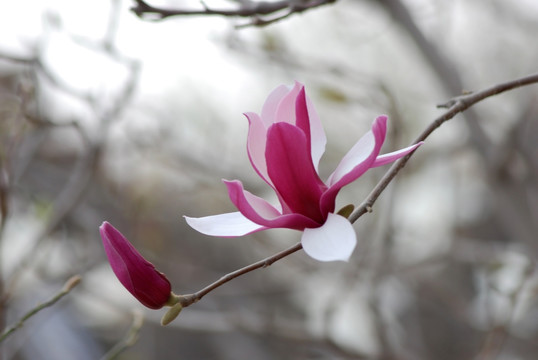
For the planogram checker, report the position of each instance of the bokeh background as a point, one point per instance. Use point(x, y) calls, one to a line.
point(104, 116)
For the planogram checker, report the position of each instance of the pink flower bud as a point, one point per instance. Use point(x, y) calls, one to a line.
point(137, 275)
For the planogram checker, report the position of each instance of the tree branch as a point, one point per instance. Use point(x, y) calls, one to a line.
point(190, 299)
point(252, 9)
point(455, 106)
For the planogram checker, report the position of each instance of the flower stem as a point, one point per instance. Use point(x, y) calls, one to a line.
point(190, 299)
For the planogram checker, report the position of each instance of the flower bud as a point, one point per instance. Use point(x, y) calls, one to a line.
point(137, 275)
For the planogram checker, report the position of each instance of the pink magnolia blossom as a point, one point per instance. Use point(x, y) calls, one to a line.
point(138, 275)
point(284, 145)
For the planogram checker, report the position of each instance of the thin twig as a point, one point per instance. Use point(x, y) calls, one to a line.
point(130, 337)
point(474, 97)
point(190, 299)
point(69, 285)
point(455, 106)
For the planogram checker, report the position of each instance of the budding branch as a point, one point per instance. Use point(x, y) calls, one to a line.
point(455, 106)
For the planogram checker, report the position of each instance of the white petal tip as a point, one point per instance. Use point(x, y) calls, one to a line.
point(334, 241)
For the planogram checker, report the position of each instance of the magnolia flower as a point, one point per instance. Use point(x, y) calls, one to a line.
point(137, 275)
point(284, 145)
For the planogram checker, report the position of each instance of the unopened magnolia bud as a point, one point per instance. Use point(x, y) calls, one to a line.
point(138, 275)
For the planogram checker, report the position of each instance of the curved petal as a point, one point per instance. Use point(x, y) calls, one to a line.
point(290, 168)
point(261, 212)
point(395, 155)
point(308, 121)
point(333, 241)
point(285, 111)
point(302, 119)
point(270, 106)
point(257, 205)
point(361, 151)
point(282, 101)
point(256, 140)
point(355, 163)
point(225, 225)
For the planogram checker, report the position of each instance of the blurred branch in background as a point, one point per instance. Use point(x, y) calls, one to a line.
point(455, 106)
point(262, 13)
point(69, 285)
point(130, 337)
point(43, 173)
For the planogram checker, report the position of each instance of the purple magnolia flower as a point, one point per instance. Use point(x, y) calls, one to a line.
point(284, 145)
point(138, 275)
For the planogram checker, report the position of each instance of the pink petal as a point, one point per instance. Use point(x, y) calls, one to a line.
point(256, 140)
point(395, 155)
point(287, 102)
point(259, 206)
point(270, 107)
point(356, 162)
point(261, 212)
point(302, 120)
point(290, 168)
point(333, 241)
point(224, 225)
point(308, 121)
point(286, 108)
point(360, 152)
point(279, 106)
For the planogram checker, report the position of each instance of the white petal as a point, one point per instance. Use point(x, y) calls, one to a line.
point(317, 134)
point(395, 155)
point(225, 225)
point(335, 240)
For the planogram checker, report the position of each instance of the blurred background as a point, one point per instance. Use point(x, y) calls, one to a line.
point(105, 116)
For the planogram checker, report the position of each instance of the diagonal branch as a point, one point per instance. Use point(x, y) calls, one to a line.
point(455, 106)
point(190, 299)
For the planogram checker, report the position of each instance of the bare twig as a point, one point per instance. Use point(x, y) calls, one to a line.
point(190, 299)
point(252, 9)
point(456, 106)
point(474, 97)
point(130, 337)
point(68, 286)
